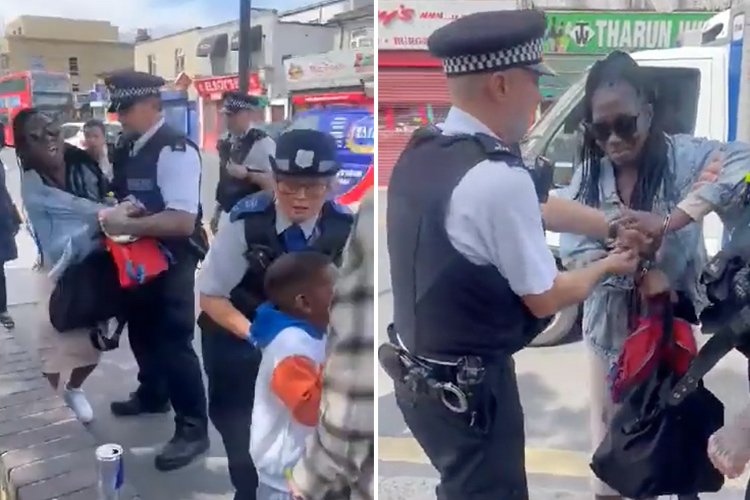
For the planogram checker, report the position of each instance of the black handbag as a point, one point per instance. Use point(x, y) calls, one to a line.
point(87, 293)
point(658, 439)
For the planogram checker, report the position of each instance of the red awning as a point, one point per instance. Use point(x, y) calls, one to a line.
point(335, 98)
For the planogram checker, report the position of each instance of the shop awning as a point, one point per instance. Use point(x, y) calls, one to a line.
point(256, 39)
point(213, 46)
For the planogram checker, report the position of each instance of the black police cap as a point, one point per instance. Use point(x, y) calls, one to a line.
point(128, 87)
point(491, 41)
point(237, 101)
point(306, 153)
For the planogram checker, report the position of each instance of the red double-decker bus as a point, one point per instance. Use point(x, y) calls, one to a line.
point(49, 92)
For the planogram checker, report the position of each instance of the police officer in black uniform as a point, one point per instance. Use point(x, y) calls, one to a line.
point(158, 170)
point(473, 280)
point(297, 215)
point(244, 154)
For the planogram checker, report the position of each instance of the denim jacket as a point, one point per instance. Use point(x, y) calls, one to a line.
point(682, 257)
point(66, 226)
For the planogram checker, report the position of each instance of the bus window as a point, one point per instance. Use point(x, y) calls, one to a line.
point(16, 85)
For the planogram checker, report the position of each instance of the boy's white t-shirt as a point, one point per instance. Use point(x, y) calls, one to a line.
point(277, 440)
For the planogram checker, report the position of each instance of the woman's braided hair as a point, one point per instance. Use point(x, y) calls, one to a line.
point(618, 68)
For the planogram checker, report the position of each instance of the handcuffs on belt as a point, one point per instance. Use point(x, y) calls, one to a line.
point(418, 375)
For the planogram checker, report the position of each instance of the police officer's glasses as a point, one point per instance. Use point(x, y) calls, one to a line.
point(623, 126)
point(306, 189)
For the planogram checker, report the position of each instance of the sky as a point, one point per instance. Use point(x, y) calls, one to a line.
point(162, 16)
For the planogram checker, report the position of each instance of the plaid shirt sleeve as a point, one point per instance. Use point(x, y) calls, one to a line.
point(339, 460)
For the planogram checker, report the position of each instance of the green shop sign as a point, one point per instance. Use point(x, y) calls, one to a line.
point(602, 32)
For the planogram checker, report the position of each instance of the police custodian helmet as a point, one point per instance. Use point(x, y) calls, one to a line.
point(491, 41)
point(128, 87)
point(305, 153)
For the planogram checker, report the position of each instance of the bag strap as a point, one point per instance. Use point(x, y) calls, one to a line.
point(718, 346)
point(735, 243)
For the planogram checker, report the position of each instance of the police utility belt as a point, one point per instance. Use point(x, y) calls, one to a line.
point(727, 281)
point(456, 385)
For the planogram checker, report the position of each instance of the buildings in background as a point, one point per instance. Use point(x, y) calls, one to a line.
point(204, 61)
point(342, 75)
point(411, 84)
point(83, 49)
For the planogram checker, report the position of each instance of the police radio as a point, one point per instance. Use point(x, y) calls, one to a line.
point(727, 281)
point(542, 174)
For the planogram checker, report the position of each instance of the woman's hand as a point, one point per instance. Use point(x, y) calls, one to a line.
point(632, 239)
point(114, 220)
point(647, 223)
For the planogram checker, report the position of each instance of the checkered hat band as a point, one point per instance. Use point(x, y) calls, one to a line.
point(527, 53)
point(129, 93)
point(231, 103)
point(324, 166)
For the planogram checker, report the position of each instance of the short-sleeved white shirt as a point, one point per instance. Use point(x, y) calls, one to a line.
point(178, 174)
point(494, 217)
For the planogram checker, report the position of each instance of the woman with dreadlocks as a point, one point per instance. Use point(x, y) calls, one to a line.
point(62, 189)
point(627, 161)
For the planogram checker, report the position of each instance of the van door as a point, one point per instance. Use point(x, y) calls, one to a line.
point(712, 121)
point(707, 124)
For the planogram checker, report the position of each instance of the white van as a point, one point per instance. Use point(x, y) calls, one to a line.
point(693, 96)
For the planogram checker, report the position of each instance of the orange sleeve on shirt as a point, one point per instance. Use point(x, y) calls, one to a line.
point(297, 381)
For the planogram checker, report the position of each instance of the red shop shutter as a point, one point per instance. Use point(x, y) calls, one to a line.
point(412, 86)
point(390, 145)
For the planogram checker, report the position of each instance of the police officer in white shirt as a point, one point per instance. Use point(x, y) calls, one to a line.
point(297, 215)
point(244, 155)
point(473, 279)
point(160, 168)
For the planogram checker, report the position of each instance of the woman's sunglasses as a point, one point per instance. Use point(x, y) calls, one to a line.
point(623, 126)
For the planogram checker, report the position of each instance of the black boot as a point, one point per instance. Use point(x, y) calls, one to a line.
point(190, 441)
point(134, 407)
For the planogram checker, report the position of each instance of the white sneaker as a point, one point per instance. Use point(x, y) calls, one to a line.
point(76, 401)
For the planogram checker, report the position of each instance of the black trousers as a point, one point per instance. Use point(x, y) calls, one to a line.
point(3, 288)
point(481, 462)
point(161, 326)
point(231, 366)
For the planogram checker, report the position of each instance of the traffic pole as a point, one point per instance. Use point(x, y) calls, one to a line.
point(243, 64)
point(740, 34)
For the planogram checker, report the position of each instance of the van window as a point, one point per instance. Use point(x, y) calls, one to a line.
point(675, 92)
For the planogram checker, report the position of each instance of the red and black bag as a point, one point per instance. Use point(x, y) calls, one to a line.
point(658, 439)
point(139, 261)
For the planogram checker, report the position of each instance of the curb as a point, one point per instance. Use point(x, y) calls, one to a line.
point(45, 453)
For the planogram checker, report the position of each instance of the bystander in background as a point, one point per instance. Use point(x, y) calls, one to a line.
point(10, 223)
